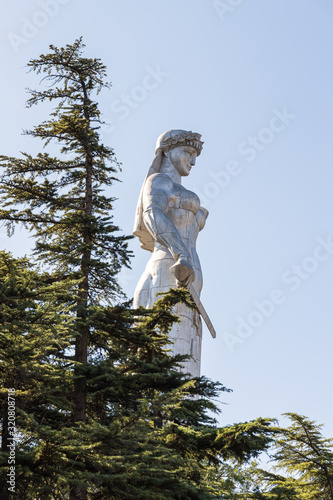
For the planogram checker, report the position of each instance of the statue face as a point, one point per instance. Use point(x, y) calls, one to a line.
point(182, 158)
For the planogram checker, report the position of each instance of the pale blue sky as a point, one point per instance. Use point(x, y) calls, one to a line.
point(255, 79)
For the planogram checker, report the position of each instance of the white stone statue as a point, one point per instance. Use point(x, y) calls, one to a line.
point(168, 220)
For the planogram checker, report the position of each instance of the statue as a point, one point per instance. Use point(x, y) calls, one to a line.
point(167, 222)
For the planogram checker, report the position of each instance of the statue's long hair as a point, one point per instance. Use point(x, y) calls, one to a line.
point(140, 230)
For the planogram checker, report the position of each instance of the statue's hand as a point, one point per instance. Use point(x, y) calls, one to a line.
point(183, 271)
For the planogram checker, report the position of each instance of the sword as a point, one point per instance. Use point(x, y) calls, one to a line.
point(180, 271)
point(202, 311)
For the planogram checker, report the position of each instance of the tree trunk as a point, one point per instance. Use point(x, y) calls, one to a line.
point(81, 344)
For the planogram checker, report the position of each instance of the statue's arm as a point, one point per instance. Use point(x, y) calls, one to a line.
point(156, 197)
point(158, 190)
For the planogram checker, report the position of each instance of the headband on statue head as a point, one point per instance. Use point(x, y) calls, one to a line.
point(175, 138)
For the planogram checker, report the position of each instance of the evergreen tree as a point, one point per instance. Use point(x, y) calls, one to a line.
point(302, 466)
point(147, 436)
point(306, 458)
point(113, 417)
point(35, 330)
point(61, 201)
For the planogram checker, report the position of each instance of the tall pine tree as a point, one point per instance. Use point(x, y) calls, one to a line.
point(63, 202)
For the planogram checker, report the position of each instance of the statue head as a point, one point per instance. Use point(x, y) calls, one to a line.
point(180, 147)
point(174, 144)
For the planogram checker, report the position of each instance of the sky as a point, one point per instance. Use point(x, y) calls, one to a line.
point(255, 79)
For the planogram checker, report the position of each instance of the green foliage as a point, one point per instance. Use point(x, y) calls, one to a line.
point(306, 459)
point(302, 466)
point(146, 420)
point(36, 326)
